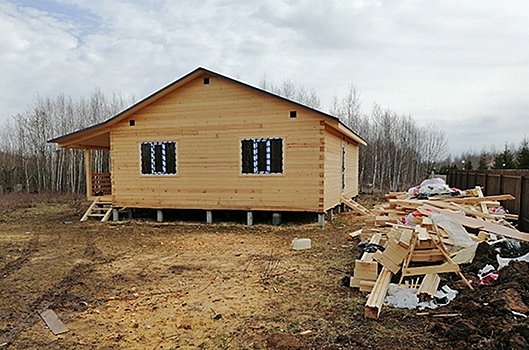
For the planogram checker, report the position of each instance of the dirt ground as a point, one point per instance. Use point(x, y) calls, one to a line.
point(139, 284)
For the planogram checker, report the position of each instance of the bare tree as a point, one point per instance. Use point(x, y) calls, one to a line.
point(37, 165)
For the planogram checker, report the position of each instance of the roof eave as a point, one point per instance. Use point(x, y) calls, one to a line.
point(74, 136)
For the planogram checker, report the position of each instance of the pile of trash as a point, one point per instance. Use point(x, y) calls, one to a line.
point(431, 187)
point(434, 230)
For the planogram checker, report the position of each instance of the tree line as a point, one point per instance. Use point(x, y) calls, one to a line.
point(400, 152)
point(510, 157)
point(29, 162)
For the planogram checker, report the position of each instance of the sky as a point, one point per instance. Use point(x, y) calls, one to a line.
point(462, 65)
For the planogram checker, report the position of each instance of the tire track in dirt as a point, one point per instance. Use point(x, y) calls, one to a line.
point(57, 296)
point(16, 264)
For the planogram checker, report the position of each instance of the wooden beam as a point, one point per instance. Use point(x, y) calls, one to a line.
point(376, 298)
point(88, 170)
point(472, 200)
point(424, 270)
point(366, 269)
point(488, 226)
point(428, 286)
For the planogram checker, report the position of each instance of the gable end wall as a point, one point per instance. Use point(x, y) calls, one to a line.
point(333, 167)
point(208, 123)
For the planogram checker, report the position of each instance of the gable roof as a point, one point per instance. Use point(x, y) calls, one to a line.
point(69, 139)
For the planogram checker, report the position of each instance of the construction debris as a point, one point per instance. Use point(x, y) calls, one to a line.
point(418, 238)
point(354, 206)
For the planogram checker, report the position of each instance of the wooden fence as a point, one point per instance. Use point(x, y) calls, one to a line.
point(514, 182)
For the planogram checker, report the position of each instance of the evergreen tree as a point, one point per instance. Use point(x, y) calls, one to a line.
point(505, 160)
point(483, 163)
point(468, 165)
point(522, 157)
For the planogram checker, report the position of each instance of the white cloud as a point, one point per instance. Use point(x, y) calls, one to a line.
point(444, 61)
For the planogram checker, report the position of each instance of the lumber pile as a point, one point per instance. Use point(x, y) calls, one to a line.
point(404, 246)
point(473, 210)
point(418, 249)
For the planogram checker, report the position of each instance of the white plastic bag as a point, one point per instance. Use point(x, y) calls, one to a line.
point(455, 230)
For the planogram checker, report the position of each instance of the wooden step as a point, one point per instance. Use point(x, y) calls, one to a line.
point(95, 208)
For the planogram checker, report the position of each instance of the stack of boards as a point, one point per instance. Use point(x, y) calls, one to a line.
point(420, 251)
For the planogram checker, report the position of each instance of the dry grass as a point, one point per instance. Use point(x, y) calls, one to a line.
point(187, 285)
point(12, 201)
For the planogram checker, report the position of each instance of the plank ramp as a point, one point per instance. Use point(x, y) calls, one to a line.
point(98, 209)
point(354, 206)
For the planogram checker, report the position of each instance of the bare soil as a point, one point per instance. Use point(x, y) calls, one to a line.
point(139, 284)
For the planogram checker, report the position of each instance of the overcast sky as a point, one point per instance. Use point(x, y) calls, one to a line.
point(463, 65)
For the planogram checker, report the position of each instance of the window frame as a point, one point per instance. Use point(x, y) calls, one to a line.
point(257, 161)
point(152, 145)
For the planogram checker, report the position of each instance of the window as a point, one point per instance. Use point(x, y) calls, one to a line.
point(262, 156)
point(158, 158)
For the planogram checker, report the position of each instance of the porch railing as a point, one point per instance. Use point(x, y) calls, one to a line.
point(101, 184)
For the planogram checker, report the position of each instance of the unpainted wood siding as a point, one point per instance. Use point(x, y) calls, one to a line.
point(333, 167)
point(208, 123)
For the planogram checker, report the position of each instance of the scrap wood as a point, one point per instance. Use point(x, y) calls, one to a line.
point(354, 235)
point(488, 226)
point(483, 205)
point(365, 268)
point(380, 220)
point(426, 255)
point(396, 195)
point(376, 298)
point(392, 257)
point(354, 206)
point(443, 250)
point(367, 286)
point(408, 258)
point(424, 270)
point(467, 210)
point(471, 200)
point(428, 286)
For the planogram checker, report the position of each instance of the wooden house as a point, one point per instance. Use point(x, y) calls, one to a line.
point(207, 141)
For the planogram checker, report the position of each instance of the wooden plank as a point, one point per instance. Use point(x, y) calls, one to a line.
point(424, 270)
point(427, 255)
point(53, 322)
point(367, 286)
point(428, 286)
point(90, 208)
point(388, 263)
point(365, 268)
point(376, 298)
point(107, 215)
point(354, 234)
point(88, 172)
point(472, 200)
point(405, 238)
point(488, 226)
point(422, 233)
point(354, 206)
point(438, 242)
point(484, 207)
